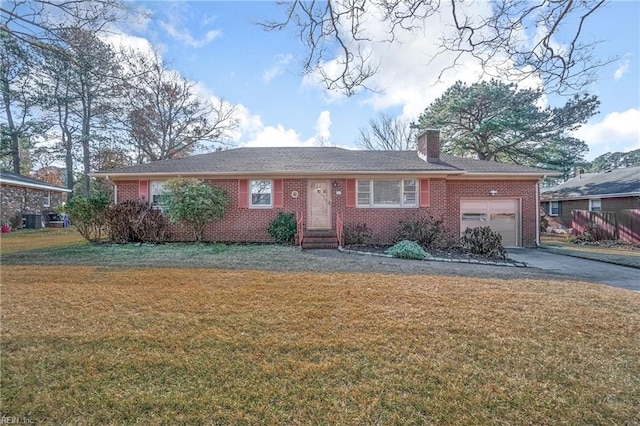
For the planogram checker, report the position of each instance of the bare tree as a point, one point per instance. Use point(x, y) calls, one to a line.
point(80, 90)
point(164, 116)
point(514, 39)
point(40, 23)
point(387, 133)
point(19, 102)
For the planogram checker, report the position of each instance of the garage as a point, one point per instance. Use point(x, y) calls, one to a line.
point(501, 215)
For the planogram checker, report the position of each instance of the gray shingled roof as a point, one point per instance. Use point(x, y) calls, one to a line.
point(620, 182)
point(19, 180)
point(313, 160)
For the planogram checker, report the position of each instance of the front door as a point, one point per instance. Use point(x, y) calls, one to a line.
point(319, 196)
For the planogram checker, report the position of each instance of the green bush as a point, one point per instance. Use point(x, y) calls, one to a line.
point(357, 235)
point(135, 221)
point(87, 213)
point(483, 241)
point(283, 228)
point(425, 230)
point(407, 250)
point(194, 203)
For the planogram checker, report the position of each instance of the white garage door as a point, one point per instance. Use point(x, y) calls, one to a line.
point(501, 215)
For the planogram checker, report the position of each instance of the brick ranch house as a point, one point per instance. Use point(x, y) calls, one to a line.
point(329, 188)
point(610, 191)
point(22, 196)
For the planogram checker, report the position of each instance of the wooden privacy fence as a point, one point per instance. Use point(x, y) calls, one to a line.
point(619, 225)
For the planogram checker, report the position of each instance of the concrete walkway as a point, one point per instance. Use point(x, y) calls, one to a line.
point(579, 269)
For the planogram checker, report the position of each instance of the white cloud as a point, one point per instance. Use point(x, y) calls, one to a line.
point(140, 19)
point(256, 134)
point(278, 68)
point(617, 132)
point(622, 69)
point(413, 70)
point(183, 35)
point(322, 126)
point(278, 136)
point(128, 41)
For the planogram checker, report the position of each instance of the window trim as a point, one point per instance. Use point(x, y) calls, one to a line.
point(46, 199)
point(271, 194)
point(152, 203)
point(599, 200)
point(550, 208)
point(371, 193)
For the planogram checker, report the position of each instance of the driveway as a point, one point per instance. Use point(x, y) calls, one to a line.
point(579, 269)
point(541, 265)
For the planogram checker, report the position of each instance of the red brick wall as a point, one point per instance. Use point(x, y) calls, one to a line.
point(238, 225)
point(524, 190)
point(384, 222)
point(250, 225)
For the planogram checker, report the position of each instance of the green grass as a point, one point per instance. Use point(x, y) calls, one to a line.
point(29, 239)
point(67, 247)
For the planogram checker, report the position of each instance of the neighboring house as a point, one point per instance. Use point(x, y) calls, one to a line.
point(328, 188)
point(23, 196)
point(610, 191)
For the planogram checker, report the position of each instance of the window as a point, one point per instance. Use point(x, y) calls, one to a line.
point(474, 217)
point(261, 193)
point(595, 205)
point(157, 194)
point(554, 208)
point(387, 193)
point(46, 199)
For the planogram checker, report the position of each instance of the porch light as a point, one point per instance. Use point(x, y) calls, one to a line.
point(493, 192)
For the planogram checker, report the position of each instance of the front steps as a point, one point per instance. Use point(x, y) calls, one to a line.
point(319, 239)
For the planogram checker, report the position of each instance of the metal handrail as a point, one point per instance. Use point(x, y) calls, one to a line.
point(300, 227)
point(339, 228)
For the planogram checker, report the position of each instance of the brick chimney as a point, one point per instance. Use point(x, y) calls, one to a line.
point(429, 145)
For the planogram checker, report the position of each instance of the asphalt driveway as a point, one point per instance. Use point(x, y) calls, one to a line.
point(579, 269)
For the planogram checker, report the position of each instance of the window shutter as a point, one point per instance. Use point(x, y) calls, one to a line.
point(559, 208)
point(278, 196)
point(243, 193)
point(425, 193)
point(143, 190)
point(350, 200)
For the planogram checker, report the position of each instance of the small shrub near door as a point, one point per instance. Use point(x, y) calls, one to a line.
point(483, 241)
point(283, 228)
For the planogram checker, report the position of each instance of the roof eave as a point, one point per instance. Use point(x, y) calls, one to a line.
point(546, 197)
point(33, 185)
point(312, 173)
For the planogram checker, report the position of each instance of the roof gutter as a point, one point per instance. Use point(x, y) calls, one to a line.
point(33, 185)
point(538, 212)
point(590, 197)
point(112, 176)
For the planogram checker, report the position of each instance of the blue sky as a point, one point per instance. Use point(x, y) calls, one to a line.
point(218, 45)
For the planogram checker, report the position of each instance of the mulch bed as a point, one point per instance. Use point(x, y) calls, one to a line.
point(457, 253)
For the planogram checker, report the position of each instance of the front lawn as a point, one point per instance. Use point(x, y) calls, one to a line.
point(96, 345)
point(28, 239)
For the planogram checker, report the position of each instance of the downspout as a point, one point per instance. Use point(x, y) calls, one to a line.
point(538, 211)
point(115, 192)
